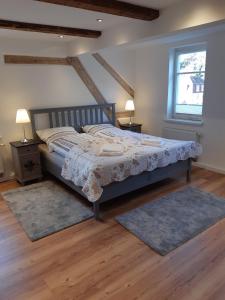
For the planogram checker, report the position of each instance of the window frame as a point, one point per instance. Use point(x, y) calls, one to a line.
point(176, 53)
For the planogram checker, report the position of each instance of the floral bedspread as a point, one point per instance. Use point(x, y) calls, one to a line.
point(85, 168)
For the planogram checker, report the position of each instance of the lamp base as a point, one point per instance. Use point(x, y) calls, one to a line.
point(24, 141)
point(130, 118)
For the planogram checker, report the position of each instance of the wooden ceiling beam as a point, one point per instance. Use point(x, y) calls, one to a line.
point(113, 7)
point(114, 74)
point(89, 83)
point(22, 26)
point(34, 60)
point(86, 78)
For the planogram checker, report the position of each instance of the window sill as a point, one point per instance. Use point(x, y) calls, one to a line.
point(184, 122)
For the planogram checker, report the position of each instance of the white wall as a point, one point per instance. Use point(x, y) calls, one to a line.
point(151, 95)
point(39, 86)
point(187, 14)
point(123, 61)
point(112, 37)
point(29, 86)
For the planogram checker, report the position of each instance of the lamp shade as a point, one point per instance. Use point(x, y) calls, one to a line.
point(130, 105)
point(22, 116)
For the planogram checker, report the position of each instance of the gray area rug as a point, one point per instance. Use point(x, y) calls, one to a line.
point(166, 223)
point(45, 208)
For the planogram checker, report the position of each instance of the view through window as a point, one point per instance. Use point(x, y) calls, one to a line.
point(189, 83)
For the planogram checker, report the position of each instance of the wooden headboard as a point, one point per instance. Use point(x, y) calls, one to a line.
point(75, 116)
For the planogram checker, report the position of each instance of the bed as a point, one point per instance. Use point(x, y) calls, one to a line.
point(79, 116)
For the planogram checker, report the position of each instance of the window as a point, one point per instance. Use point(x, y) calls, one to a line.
point(188, 78)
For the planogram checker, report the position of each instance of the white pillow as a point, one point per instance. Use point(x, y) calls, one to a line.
point(55, 133)
point(93, 129)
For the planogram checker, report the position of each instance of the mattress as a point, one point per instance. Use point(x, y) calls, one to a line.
point(54, 157)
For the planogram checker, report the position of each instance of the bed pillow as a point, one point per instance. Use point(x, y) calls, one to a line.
point(105, 131)
point(94, 129)
point(50, 134)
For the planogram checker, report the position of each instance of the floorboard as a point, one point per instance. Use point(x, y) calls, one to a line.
point(102, 261)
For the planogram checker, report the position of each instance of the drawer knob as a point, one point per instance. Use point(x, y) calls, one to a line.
point(29, 165)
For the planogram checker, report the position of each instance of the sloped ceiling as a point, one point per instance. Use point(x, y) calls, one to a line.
point(44, 13)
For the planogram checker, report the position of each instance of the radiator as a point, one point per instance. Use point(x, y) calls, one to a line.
point(181, 134)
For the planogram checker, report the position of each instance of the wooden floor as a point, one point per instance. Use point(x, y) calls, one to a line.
point(101, 260)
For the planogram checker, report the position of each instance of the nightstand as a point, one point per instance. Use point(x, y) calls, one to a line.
point(26, 158)
point(132, 127)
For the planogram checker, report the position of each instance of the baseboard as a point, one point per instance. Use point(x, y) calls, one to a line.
point(9, 178)
point(209, 167)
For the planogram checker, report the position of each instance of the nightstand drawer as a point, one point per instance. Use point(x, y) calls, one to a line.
point(131, 127)
point(136, 129)
point(31, 166)
point(28, 149)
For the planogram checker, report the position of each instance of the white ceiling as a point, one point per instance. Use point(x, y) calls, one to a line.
point(160, 4)
point(43, 13)
point(26, 35)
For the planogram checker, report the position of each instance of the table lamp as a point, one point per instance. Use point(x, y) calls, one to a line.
point(22, 117)
point(130, 107)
